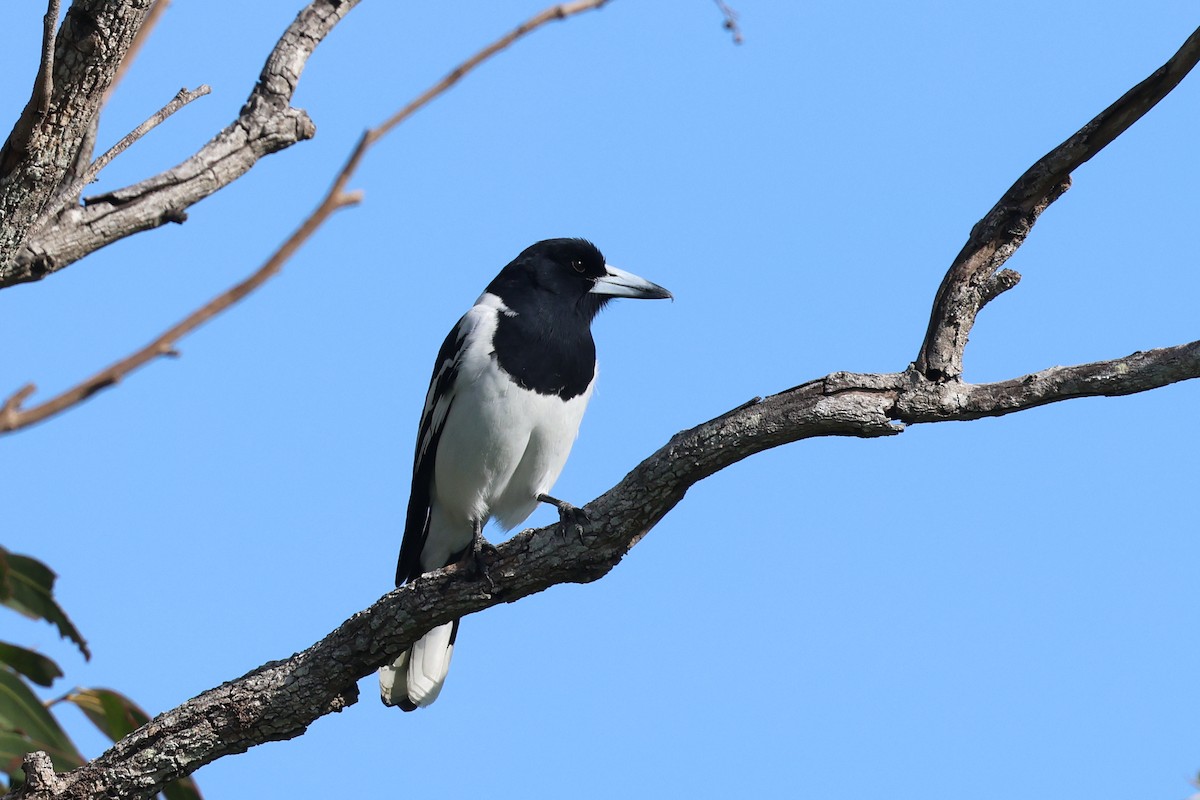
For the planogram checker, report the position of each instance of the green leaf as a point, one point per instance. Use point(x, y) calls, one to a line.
point(26, 725)
point(13, 748)
point(34, 666)
point(112, 712)
point(27, 586)
point(117, 716)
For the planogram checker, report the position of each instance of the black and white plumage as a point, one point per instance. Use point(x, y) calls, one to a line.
point(509, 389)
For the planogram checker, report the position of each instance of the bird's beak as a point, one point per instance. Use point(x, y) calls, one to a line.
point(619, 283)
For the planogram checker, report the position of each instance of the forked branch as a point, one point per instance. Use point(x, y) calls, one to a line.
point(13, 415)
point(266, 124)
point(969, 282)
point(282, 698)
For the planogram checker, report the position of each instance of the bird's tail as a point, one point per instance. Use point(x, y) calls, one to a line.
point(415, 678)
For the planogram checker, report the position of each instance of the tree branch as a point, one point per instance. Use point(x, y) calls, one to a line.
point(83, 156)
point(730, 21)
point(13, 417)
point(279, 700)
point(71, 192)
point(93, 38)
point(966, 286)
point(556, 12)
point(44, 88)
point(266, 124)
point(39, 101)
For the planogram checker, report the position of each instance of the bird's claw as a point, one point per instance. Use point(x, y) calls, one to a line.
point(481, 552)
point(571, 517)
point(568, 516)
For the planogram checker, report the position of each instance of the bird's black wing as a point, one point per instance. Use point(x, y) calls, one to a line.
point(433, 418)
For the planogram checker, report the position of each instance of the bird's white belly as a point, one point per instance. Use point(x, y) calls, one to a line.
point(500, 448)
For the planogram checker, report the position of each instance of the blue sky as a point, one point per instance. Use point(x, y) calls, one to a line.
point(1003, 608)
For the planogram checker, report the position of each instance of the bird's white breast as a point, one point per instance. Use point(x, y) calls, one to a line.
point(502, 445)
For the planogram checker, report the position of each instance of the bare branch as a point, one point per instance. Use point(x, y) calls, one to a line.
point(83, 157)
point(34, 160)
point(13, 417)
point(280, 699)
point(44, 88)
point(39, 101)
point(181, 99)
point(266, 124)
point(731, 21)
point(998, 284)
point(997, 236)
point(561, 11)
point(1138, 372)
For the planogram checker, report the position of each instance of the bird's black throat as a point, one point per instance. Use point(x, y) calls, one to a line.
point(548, 350)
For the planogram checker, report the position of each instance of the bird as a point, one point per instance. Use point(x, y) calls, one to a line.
point(509, 388)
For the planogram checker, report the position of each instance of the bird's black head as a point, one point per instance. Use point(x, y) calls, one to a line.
point(566, 263)
point(567, 273)
point(551, 293)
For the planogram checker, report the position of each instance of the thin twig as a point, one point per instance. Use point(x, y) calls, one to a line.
point(266, 123)
point(731, 21)
point(45, 79)
point(998, 235)
point(561, 11)
point(84, 155)
point(68, 195)
point(39, 100)
point(13, 417)
point(181, 99)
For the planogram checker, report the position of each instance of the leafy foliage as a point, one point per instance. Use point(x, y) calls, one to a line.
point(34, 666)
point(26, 723)
point(27, 586)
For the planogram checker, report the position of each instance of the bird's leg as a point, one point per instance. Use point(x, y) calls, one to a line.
point(568, 515)
point(475, 554)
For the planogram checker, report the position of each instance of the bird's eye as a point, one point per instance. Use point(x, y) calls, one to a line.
point(577, 266)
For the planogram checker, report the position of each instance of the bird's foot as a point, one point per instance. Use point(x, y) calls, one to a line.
point(569, 517)
point(478, 554)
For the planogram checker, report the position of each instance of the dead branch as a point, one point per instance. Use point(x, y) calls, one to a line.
point(730, 21)
point(44, 87)
point(282, 698)
point(33, 161)
point(14, 417)
point(266, 124)
point(39, 102)
point(70, 185)
point(967, 285)
point(561, 11)
point(69, 194)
